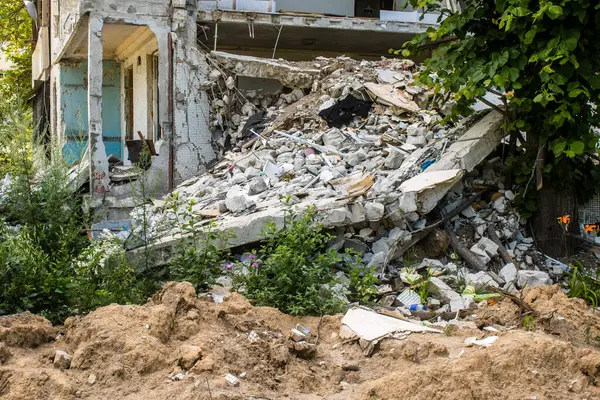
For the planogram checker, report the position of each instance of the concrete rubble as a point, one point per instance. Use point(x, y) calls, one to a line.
point(382, 182)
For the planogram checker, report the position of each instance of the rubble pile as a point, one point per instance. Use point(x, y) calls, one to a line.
point(355, 140)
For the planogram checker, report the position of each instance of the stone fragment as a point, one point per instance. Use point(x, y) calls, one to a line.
point(257, 186)
point(469, 212)
point(480, 280)
point(485, 249)
point(418, 141)
point(446, 294)
point(333, 138)
point(508, 273)
point(356, 158)
point(430, 264)
point(252, 172)
point(357, 245)
point(303, 350)
point(381, 246)
point(92, 379)
point(238, 178)
point(394, 159)
point(374, 211)
point(337, 216)
point(188, 355)
point(5, 353)
point(62, 360)
point(236, 204)
point(533, 278)
point(500, 205)
point(407, 202)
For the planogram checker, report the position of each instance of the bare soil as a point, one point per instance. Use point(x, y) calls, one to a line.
point(132, 352)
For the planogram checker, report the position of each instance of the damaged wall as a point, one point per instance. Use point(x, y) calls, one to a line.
point(71, 78)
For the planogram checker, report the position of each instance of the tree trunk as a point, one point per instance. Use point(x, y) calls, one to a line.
point(548, 233)
point(552, 203)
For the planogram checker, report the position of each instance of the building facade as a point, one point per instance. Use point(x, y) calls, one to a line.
point(107, 72)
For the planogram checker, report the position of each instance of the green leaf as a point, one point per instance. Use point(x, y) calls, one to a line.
point(577, 147)
point(594, 82)
point(558, 147)
point(554, 11)
point(529, 36)
point(520, 11)
point(520, 124)
point(555, 88)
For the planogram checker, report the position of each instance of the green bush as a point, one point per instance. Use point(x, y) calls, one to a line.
point(294, 270)
point(203, 249)
point(103, 276)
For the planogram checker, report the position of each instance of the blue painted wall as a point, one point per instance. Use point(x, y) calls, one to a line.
point(74, 107)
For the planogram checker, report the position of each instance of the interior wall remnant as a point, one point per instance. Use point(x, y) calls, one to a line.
point(137, 64)
point(70, 120)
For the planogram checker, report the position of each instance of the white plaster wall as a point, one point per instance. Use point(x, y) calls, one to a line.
point(339, 7)
point(141, 90)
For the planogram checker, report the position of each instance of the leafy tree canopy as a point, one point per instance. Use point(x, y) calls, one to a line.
point(16, 47)
point(542, 56)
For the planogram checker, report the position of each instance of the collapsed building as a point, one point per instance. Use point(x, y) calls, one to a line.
point(237, 130)
point(107, 74)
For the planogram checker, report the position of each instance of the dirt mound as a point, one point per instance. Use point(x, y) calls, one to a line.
point(570, 319)
point(25, 330)
point(181, 347)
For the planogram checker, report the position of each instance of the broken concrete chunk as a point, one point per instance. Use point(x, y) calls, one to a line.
point(394, 159)
point(480, 280)
point(257, 186)
point(337, 216)
point(446, 294)
point(431, 187)
point(408, 202)
point(333, 138)
point(508, 273)
point(485, 249)
point(430, 264)
point(236, 204)
point(381, 246)
point(418, 141)
point(356, 158)
point(374, 211)
point(533, 278)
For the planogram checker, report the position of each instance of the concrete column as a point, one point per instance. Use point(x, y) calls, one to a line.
point(98, 161)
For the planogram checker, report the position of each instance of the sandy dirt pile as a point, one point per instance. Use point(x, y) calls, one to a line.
point(178, 346)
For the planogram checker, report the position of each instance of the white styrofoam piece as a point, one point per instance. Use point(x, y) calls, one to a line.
point(369, 325)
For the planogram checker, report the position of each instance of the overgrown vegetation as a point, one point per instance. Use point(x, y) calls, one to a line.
point(584, 286)
point(203, 251)
point(540, 57)
point(294, 270)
